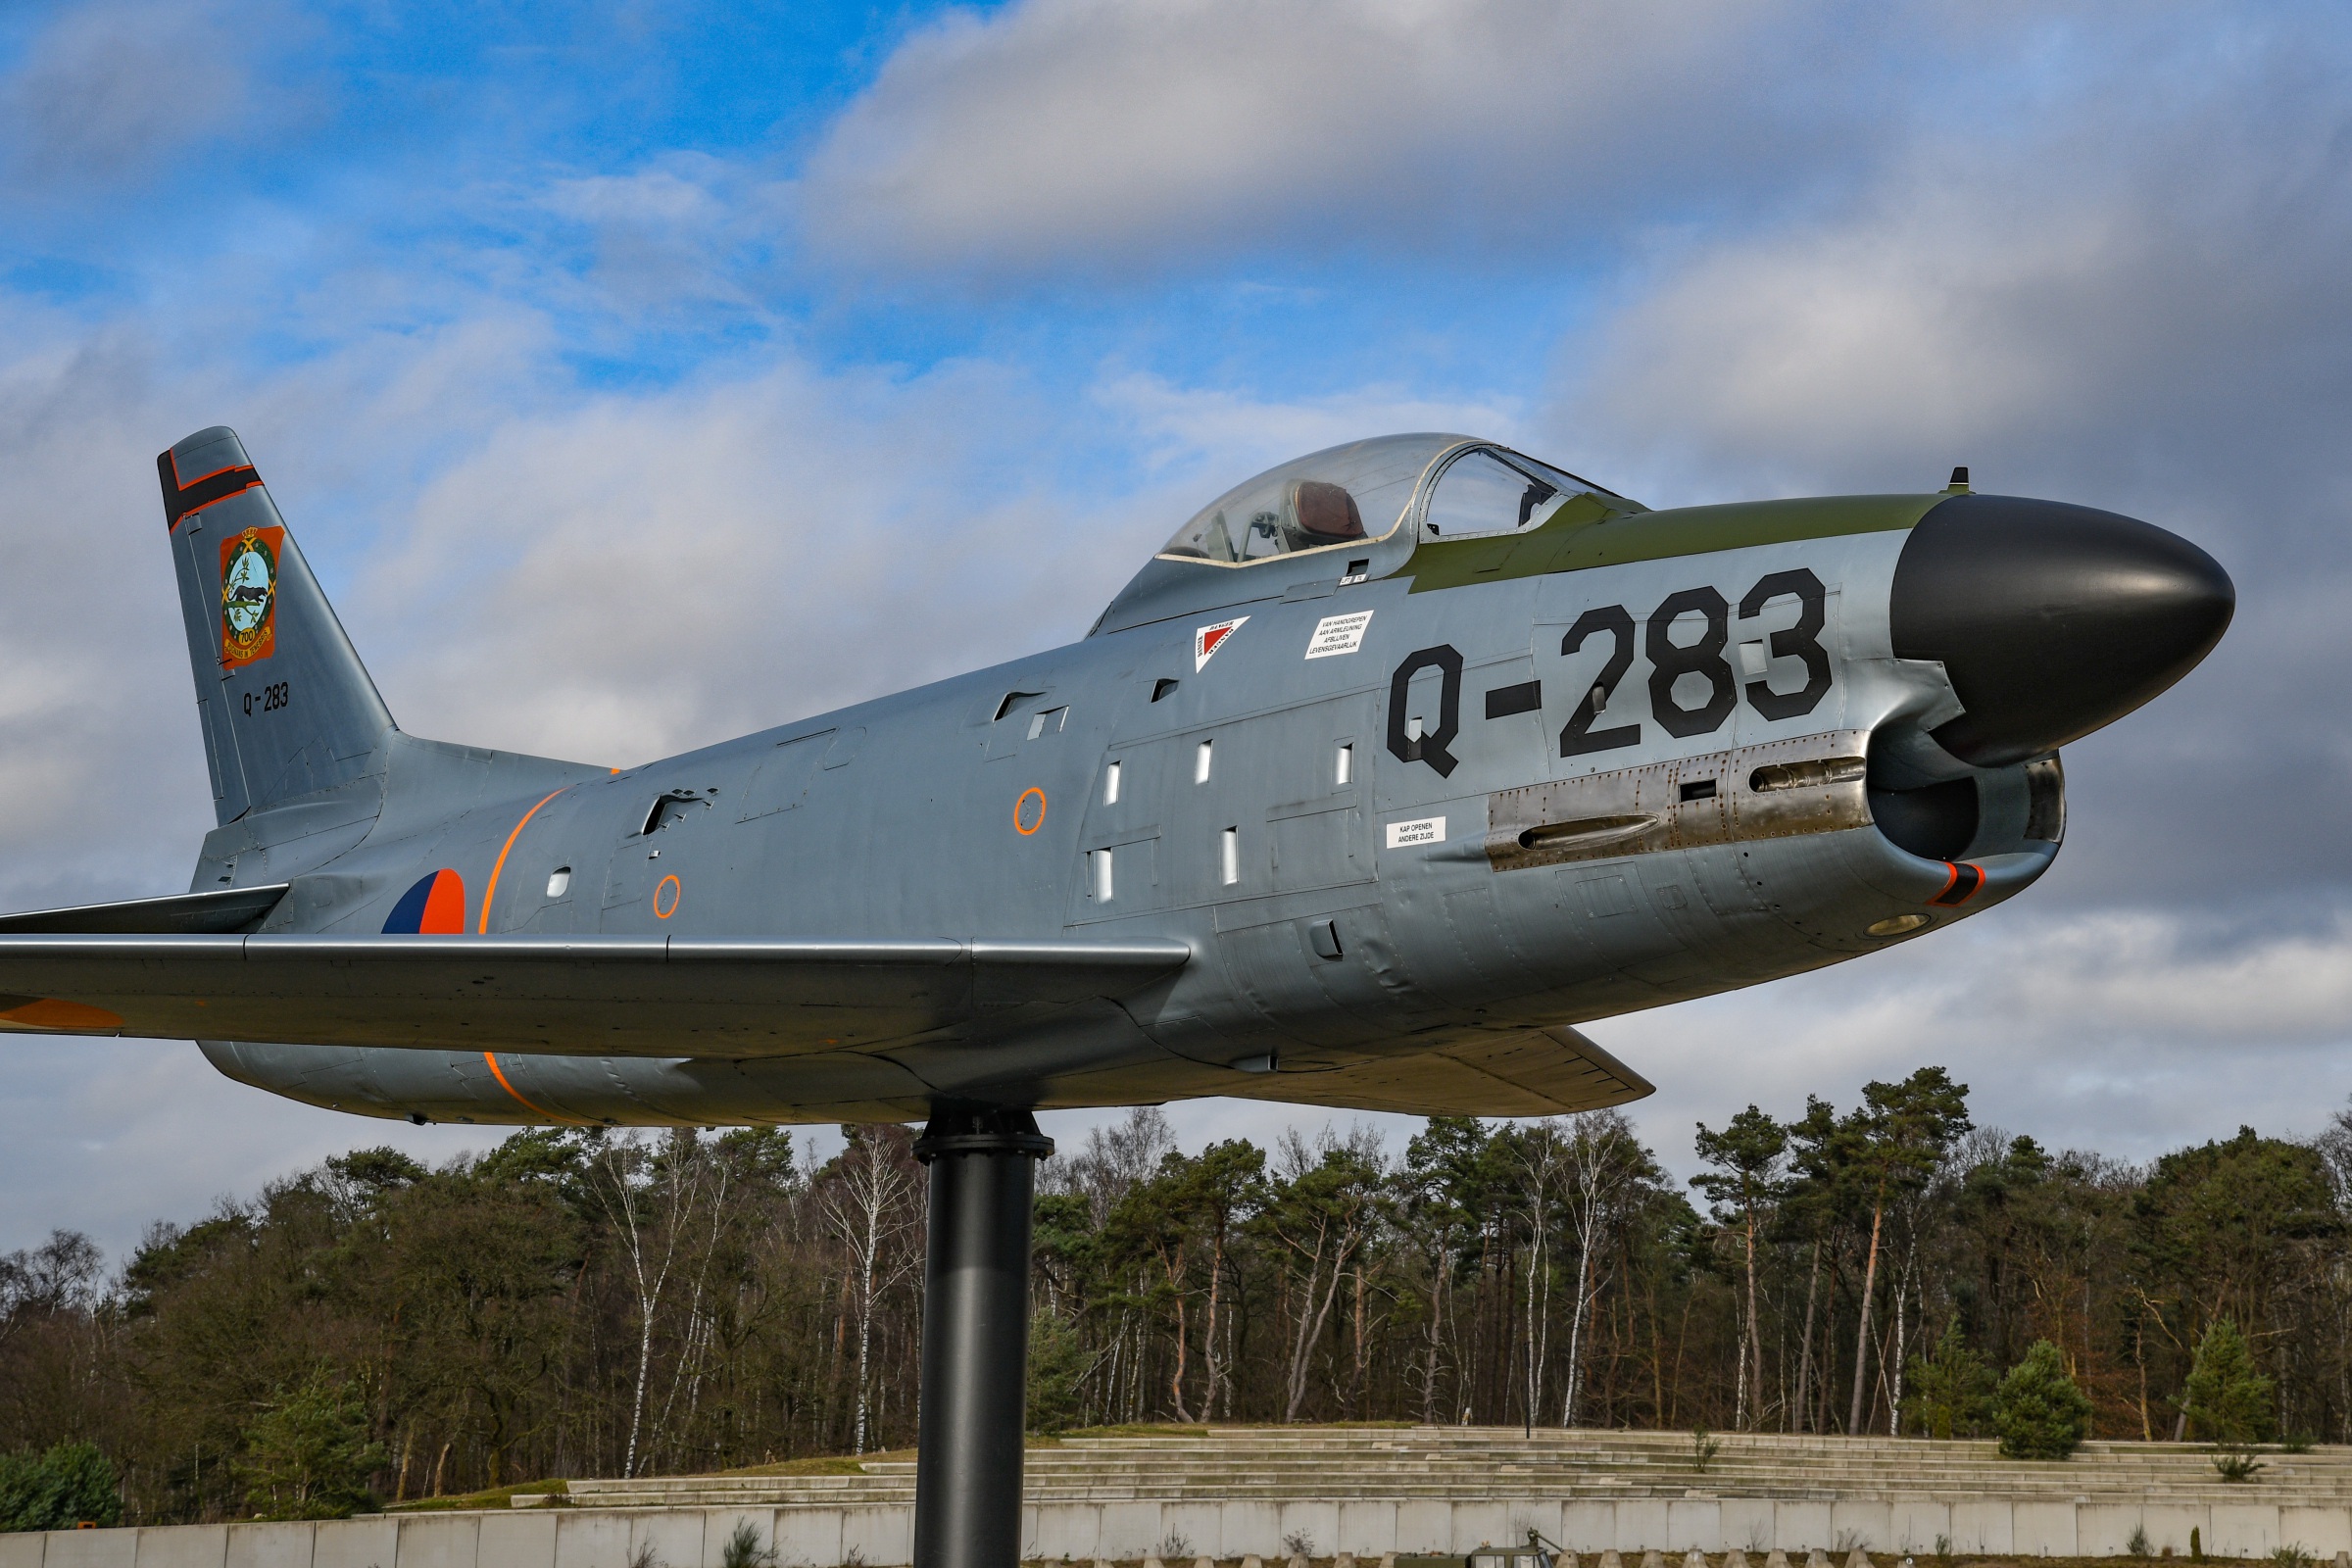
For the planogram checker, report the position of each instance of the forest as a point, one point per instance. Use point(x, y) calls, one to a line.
point(580, 1303)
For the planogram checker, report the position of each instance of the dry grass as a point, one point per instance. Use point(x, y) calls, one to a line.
point(495, 1498)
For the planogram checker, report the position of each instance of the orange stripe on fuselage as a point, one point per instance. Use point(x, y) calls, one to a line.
point(492, 1058)
point(491, 891)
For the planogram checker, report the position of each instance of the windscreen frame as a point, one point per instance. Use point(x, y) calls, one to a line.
point(1510, 457)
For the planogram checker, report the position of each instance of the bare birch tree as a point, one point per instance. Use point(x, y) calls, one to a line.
point(648, 1198)
point(1599, 1157)
point(1326, 1204)
point(1538, 1161)
point(868, 1201)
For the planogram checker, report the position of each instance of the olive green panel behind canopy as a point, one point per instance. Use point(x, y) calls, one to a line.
point(1595, 531)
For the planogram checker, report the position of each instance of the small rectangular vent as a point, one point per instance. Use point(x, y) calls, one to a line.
point(1324, 938)
point(672, 810)
point(1015, 701)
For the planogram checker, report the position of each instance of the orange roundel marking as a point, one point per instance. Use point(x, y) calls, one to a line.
point(492, 1058)
point(668, 885)
point(445, 905)
point(50, 1014)
point(1020, 809)
point(500, 864)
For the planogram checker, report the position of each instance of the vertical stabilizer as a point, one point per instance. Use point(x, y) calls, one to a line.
point(286, 705)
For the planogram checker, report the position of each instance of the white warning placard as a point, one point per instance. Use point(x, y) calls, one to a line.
point(1421, 830)
point(1338, 634)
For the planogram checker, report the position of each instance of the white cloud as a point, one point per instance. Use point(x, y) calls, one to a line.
point(1118, 134)
point(1225, 436)
point(99, 766)
point(109, 90)
point(638, 574)
point(2137, 290)
point(107, 1136)
point(670, 240)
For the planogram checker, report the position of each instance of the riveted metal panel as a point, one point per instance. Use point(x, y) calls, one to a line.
point(1779, 789)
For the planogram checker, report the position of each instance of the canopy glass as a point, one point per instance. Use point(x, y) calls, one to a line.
point(1353, 494)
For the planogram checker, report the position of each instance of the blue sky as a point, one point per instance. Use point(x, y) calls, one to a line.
point(640, 376)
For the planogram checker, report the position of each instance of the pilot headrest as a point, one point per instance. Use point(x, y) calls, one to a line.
point(1327, 512)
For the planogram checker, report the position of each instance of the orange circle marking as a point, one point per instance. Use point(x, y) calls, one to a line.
point(1021, 805)
point(669, 885)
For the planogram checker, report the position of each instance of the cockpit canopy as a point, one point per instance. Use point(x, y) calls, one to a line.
point(1366, 490)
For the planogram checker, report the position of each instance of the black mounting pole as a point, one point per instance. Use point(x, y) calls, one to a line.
point(975, 1393)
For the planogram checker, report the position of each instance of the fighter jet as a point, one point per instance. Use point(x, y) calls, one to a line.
point(1394, 766)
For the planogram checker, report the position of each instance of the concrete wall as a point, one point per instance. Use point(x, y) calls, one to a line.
point(823, 1537)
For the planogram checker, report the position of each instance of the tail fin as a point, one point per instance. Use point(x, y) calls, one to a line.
point(286, 707)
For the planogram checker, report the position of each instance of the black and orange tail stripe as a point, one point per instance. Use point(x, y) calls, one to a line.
point(180, 500)
point(1960, 885)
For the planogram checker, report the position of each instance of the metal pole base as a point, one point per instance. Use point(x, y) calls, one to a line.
point(968, 1471)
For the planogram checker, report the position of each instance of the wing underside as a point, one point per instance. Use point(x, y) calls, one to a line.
point(1518, 1072)
point(561, 996)
point(889, 1015)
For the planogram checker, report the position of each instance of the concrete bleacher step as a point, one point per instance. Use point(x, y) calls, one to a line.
point(1502, 1463)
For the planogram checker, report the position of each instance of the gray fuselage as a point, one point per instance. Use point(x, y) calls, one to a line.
point(1345, 896)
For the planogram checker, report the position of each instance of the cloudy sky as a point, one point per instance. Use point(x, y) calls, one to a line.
point(638, 375)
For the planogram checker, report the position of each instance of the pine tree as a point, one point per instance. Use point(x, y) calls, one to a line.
point(307, 1455)
point(1952, 1389)
point(72, 1483)
point(2038, 1411)
point(2228, 1400)
point(1746, 1156)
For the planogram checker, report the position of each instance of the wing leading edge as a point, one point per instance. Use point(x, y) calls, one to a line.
point(592, 995)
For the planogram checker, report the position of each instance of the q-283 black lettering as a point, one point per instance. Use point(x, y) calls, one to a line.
point(1669, 660)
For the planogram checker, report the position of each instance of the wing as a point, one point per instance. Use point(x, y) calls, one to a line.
point(1520, 1073)
point(589, 996)
point(221, 910)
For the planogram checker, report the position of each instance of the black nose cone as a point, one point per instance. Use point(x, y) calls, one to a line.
point(2050, 619)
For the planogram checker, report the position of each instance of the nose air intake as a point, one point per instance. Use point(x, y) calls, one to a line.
point(2050, 619)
